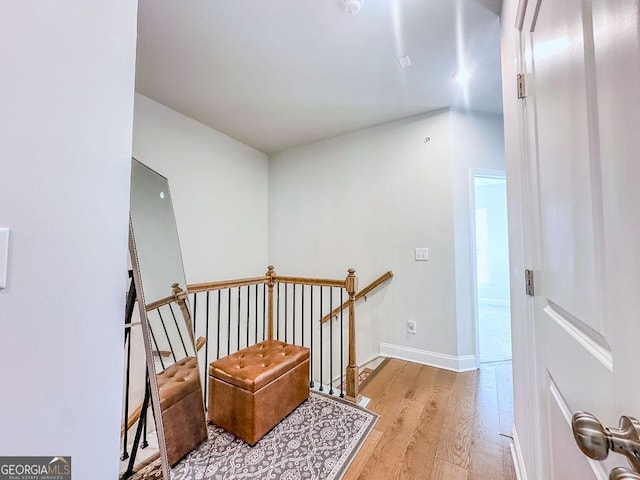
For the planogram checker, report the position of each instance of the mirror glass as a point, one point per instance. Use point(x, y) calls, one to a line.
point(176, 391)
point(159, 261)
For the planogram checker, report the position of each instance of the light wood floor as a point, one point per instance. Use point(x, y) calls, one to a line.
point(438, 425)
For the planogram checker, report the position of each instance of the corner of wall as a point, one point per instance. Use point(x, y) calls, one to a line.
point(208, 172)
point(433, 359)
point(477, 143)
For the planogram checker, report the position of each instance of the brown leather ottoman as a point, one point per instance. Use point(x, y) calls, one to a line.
point(252, 390)
point(182, 409)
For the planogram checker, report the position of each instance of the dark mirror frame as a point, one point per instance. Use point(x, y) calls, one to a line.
point(146, 333)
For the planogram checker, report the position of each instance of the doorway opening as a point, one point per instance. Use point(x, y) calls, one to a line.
point(492, 267)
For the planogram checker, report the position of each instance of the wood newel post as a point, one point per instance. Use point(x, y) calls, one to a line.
point(271, 274)
point(352, 382)
point(180, 297)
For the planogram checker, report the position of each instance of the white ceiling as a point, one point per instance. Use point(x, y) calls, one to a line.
point(279, 73)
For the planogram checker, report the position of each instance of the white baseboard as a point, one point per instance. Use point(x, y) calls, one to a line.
point(433, 359)
point(365, 362)
point(516, 455)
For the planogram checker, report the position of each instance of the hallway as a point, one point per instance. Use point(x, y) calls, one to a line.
point(438, 425)
point(494, 333)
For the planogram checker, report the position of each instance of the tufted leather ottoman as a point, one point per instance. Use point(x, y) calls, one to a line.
point(182, 410)
point(252, 390)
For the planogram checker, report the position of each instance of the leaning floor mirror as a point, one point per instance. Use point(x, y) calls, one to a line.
point(176, 392)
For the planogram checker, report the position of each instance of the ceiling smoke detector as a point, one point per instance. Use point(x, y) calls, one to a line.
point(352, 7)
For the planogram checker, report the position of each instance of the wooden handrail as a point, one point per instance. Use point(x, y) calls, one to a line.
point(323, 282)
point(376, 283)
point(160, 303)
point(200, 343)
point(221, 285)
point(205, 287)
point(242, 282)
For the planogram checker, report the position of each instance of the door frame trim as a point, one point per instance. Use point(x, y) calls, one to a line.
point(478, 172)
point(529, 449)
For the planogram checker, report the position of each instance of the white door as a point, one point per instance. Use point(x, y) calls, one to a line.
point(582, 130)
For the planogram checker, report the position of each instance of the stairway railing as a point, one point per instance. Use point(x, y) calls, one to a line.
point(360, 294)
point(234, 314)
point(229, 315)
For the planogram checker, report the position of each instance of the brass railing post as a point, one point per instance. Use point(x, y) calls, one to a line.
point(271, 274)
point(352, 380)
point(180, 296)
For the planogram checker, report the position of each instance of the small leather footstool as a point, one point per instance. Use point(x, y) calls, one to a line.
point(252, 390)
point(183, 418)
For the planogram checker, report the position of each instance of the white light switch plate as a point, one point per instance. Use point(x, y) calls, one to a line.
point(422, 254)
point(4, 256)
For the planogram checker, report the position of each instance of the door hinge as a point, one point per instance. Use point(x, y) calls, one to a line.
point(521, 89)
point(528, 282)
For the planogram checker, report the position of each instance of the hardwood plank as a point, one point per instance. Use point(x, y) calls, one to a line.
point(395, 392)
point(437, 424)
point(506, 423)
point(487, 418)
point(363, 455)
point(383, 462)
point(504, 379)
point(377, 387)
point(455, 442)
point(486, 461)
point(373, 374)
point(504, 384)
point(421, 385)
point(419, 456)
point(508, 467)
point(443, 470)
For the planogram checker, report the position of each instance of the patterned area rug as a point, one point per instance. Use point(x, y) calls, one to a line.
point(317, 441)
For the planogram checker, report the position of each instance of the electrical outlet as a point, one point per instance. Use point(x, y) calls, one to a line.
point(422, 254)
point(411, 326)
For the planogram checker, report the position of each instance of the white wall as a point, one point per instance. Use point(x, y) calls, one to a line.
point(477, 143)
point(366, 200)
point(363, 200)
point(219, 191)
point(65, 133)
